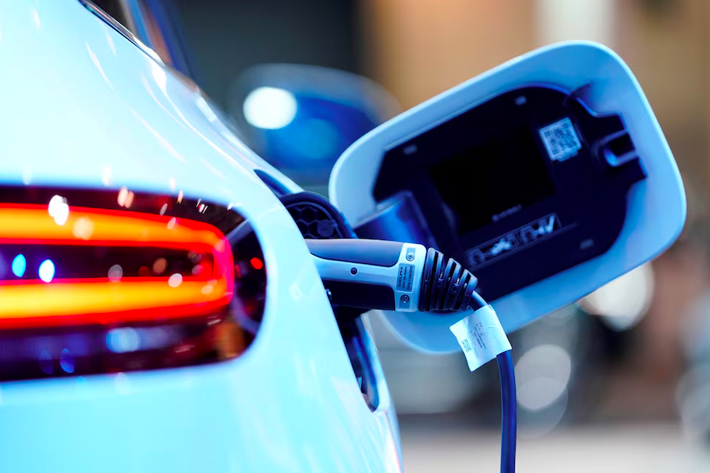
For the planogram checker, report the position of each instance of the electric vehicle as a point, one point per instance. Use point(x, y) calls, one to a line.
point(120, 180)
point(161, 310)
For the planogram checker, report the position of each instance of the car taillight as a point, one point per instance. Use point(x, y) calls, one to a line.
point(100, 281)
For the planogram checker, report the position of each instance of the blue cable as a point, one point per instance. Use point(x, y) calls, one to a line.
point(509, 411)
point(508, 401)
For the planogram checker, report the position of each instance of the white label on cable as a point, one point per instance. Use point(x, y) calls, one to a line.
point(481, 337)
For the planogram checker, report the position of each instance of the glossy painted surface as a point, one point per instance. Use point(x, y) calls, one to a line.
point(656, 206)
point(82, 106)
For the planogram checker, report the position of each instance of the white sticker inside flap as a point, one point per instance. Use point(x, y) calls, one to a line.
point(481, 337)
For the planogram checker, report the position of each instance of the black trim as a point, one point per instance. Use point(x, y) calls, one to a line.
point(361, 296)
point(272, 183)
point(122, 30)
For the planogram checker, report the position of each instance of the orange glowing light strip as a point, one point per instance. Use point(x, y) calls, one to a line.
point(105, 302)
point(27, 302)
point(28, 223)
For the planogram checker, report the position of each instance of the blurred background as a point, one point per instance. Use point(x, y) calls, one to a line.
point(618, 382)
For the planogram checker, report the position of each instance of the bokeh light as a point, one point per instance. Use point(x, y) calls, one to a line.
point(270, 108)
point(46, 271)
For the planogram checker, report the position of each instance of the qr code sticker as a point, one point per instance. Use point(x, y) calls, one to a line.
point(561, 140)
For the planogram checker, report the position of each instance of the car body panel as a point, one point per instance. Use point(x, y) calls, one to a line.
point(83, 107)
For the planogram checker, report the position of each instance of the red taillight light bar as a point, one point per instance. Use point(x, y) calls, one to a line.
point(25, 223)
point(32, 302)
point(103, 281)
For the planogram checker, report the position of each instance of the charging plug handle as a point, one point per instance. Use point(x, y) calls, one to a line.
point(386, 275)
point(371, 252)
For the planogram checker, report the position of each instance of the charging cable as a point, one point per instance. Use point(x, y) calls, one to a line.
point(407, 277)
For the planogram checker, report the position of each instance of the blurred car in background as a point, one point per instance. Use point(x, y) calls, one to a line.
point(301, 118)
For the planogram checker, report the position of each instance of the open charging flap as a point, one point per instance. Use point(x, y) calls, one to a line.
point(547, 177)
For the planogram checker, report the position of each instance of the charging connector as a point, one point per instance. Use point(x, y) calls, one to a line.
point(371, 274)
point(407, 277)
point(387, 275)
